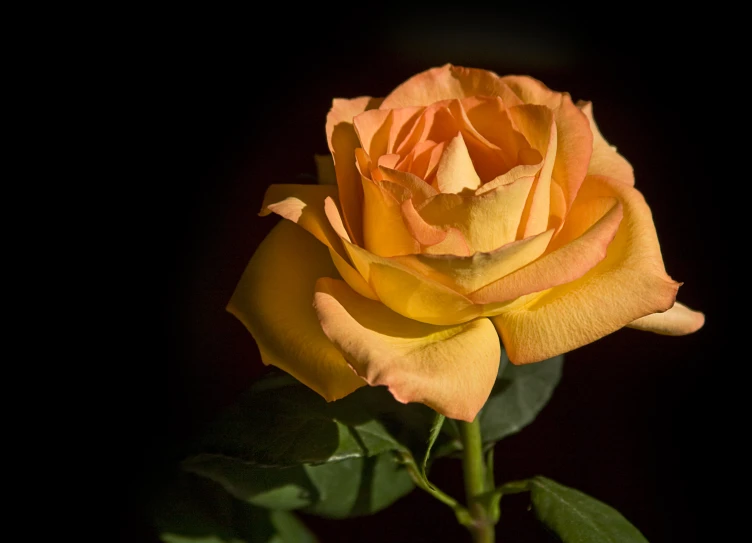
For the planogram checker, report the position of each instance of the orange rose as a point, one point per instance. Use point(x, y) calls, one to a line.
point(467, 206)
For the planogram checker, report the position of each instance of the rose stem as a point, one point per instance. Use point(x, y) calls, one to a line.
point(474, 470)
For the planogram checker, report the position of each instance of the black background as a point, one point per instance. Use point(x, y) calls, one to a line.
point(229, 104)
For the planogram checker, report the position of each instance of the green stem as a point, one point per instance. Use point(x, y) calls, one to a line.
point(476, 481)
point(462, 514)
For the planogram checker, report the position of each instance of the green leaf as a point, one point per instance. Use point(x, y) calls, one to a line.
point(358, 486)
point(290, 529)
point(281, 446)
point(519, 394)
point(438, 422)
point(577, 518)
point(195, 510)
point(352, 487)
point(275, 488)
point(280, 423)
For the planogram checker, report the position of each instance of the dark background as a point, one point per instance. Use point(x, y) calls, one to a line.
point(232, 104)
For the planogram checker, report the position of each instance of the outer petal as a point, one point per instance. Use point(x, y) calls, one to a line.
point(574, 140)
point(532, 91)
point(449, 368)
point(629, 283)
point(410, 294)
point(343, 141)
point(273, 301)
point(303, 205)
point(605, 160)
point(443, 83)
point(677, 321)
point(312, 207)
point(563, 264)
point(574, 146)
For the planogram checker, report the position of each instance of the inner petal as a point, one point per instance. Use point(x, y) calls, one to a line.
point(455, 171)
point(488, 220)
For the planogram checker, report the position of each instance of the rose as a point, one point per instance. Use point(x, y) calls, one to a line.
point(467, 206)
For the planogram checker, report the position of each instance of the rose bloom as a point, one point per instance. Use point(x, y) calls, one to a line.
point(467, 208)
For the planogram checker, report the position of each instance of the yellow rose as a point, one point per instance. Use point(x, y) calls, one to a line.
point(467, 207)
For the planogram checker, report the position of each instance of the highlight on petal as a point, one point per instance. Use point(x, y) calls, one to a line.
point(629, 283)
point(273, 300)
point(443, 83)
point(449, 368)
point(677, 321)
point(455, 171)
point(342, 140)
point(605, 160)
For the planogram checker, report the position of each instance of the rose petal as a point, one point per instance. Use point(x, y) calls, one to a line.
point(372, 128)
point(454, 244)
point(449, 368)
point(348, 273)
point(470, 273)
point(408, 293)
point(532, 91)
point(574, 146)
point(489, 159)
point(273, 301)
point(312, 207)
point(487, 221)
point(538, 126)
point(605, 160)
point(419, 190)
point(490, 118)
point(677, 321)
point(443, 83)
point(432, 239)
point(426, 162)
point(303, 205)
point(561, 265)
point(384, 231)
point(455, 171)
point(342, 140)
point(629, 283)
point(574, 137)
